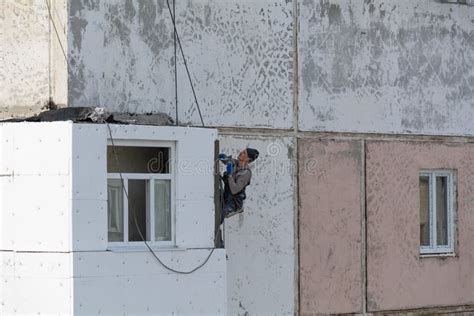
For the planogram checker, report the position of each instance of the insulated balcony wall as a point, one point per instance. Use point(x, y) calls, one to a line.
point(53, 206)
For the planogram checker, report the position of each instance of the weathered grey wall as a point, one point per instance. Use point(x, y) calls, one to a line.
point(121, 55)
point(260, 242)
point(241, 57)
point(386, 66)
point(24, 57)
point(239, 54)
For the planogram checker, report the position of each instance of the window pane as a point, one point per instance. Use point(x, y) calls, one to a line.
point(115, 210)
point(138, 159)
point(442, 211)
point(424, 211)
point(137, 209)
point(162, 210)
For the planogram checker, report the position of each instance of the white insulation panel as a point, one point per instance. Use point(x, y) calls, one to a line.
point(38, 148)
point(36, 161)
point(89, 225)
point(36, 283)
point(40, 222)
point(89, 162)
point(134, 283)
point(36, 296)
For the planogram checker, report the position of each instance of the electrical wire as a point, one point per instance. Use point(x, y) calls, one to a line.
point(57, 34)
point(138, 228)
point(184, 60)
point(68, 66)
point(175, 69)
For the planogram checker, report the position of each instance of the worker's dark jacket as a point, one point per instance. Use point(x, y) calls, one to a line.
point(237, 183)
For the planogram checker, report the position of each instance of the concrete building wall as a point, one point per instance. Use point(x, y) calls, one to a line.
point(386, 67)
point(58, 50)
point(33, 65)
point(24, 75)
point(398, 278)
point(330, 236)
point(241, 62)
point(239, 55)
point(121, 55)
point(260, 242)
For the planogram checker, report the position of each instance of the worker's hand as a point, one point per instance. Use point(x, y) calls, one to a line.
point(222, 156)
point(230, 168)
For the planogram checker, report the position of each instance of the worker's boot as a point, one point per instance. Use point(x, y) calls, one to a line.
point(234, 212)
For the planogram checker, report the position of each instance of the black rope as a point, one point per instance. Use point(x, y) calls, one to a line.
point(175, 68)
point(184, 60)
point(63, 50)
point(136, 223)
point(57, 34)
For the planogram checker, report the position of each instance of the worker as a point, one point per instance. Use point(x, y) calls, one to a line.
point(236, 178)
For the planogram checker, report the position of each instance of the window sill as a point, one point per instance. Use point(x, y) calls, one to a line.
point(143, 248)
point(438, 255)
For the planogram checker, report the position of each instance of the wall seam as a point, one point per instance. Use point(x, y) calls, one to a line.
point(296, 208)
point(241, 131)
point(364, 270)
point(50, 55)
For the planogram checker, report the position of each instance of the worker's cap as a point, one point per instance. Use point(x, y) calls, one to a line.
point(252, 153)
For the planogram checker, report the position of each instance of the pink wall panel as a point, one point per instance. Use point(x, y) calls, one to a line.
point(330, 226)
point(397, 277)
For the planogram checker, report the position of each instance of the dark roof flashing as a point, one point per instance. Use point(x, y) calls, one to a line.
point(97, 115)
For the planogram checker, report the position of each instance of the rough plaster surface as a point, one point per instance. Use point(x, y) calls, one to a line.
point(330, 230)
point(260, 242)
point(239, 54)
point(397, 277)
point(121, 55)
point(24, 56)
point(386, 66)
point(59, 68)
point(241, 57)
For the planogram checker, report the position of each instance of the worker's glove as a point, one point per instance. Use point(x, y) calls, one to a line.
point(222, 156)
point(229, 168)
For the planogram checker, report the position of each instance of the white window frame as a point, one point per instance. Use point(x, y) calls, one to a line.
point(150, 220)
point(433, 248)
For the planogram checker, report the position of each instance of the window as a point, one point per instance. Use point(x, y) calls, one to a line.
point(436, 212)
point(147, 174)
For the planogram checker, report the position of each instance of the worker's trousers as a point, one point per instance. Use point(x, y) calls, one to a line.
point(231, 202)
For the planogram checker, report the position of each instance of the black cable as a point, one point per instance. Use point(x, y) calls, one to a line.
point(184, 60)
point(136, 223)
point(57, 34)
point(62, 48)
point(175, 69)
